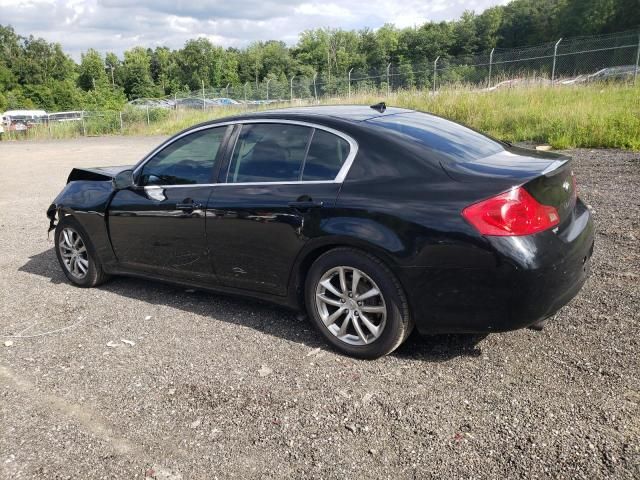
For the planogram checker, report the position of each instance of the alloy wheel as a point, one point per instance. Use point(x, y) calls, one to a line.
point(351, 305)
point(73, 252)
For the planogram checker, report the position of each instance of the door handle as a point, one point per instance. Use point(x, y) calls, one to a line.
point(305, 204)
point(188, 206)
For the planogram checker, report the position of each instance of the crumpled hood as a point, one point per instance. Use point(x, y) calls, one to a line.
point(96, 173)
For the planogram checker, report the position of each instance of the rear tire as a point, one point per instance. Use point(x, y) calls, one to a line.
point(357, 303)
point(76, 254)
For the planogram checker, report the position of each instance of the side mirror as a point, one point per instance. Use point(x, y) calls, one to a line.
point(123, 180)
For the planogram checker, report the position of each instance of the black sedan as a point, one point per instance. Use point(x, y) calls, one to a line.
point(372, 219)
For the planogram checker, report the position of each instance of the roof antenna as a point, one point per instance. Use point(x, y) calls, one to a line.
point(380, 107)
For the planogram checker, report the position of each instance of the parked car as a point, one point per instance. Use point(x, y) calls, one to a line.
point(20, 120)
point(152, 103)
point(71, 116)
point(372, 220)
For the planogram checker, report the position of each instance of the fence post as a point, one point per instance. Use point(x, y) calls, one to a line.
point(635, 72)
point(121, 125)
point(291, 84)
point(315, 90)
point(350, 81)
point(84, 126)
point(490, 65)
point(148, 115)
point(388, 80)
point(203, 100)
point(553, 68)
point(435, 72)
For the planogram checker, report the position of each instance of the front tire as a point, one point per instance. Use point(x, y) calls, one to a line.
point(357, 303)
point(76, 254)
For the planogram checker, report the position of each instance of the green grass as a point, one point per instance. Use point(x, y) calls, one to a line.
point(591, 116)
point(594, 116)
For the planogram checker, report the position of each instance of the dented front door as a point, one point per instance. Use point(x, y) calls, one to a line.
point(161, 230)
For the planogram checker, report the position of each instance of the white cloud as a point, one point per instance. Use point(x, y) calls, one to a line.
point(116, 25)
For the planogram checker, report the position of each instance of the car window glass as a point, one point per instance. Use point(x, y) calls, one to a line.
point(188, 160)
point(443, 138)
point(268, 152)
point(327, 153)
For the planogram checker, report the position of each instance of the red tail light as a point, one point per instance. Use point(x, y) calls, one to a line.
point(511, 213)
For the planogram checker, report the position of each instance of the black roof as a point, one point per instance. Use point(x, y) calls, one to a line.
point(354, 113)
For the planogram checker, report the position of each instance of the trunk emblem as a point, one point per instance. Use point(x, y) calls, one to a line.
point(566, 185)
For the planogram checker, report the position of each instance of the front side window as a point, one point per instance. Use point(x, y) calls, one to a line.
point(188, 160)
point(268, 152)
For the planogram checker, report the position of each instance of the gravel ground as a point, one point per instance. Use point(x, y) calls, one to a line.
point(217, 387)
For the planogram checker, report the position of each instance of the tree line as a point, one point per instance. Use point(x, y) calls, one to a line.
point(36, 73)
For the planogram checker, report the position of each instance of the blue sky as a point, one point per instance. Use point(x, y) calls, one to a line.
point(115, 25)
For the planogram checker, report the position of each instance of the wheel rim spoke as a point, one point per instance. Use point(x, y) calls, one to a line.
point(330, 301)
point(67, 242)
point(345, 324)
point(370, 326)
point(373, 309)
point(355, 280)
point(329, 286)
point(356, 325)
point(343, 279)
point(368, 294)
point(331, 319)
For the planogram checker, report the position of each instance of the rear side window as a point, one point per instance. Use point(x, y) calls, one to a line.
point(268, 152)
point(326, 155)
point(443, 138)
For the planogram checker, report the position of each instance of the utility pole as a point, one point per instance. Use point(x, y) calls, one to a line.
point(635, 72)
point(435, 73)
point(227, 89)
point(490, 63)
point(388, 80)
point(268, 80)
point(203, 100)
point(328, 66)
point(315, 90)
point(292, 87)
point(245, 92)
point(553, 68)
point(350, 81)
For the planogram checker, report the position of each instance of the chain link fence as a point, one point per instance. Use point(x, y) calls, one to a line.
point(570, 61)
point(612, 57)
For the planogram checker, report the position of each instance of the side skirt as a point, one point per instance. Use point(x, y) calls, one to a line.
point(283, 301)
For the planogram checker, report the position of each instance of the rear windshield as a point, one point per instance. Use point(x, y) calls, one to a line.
point(445, 140)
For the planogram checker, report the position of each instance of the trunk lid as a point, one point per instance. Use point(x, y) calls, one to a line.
point(546, 176)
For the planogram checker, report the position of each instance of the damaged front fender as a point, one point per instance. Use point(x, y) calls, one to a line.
point(88, 202)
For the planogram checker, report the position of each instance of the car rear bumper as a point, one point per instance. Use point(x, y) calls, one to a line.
point(533, 277)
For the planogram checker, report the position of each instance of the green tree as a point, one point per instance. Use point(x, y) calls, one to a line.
point(112, 65)
point(136, 73)
point(91, 71)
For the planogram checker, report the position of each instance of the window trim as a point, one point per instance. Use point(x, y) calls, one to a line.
point(339, 178)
